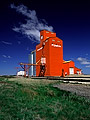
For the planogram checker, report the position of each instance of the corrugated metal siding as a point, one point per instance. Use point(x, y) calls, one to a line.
point(32, 60)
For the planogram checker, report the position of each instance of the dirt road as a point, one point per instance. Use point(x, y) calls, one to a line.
point(79, 89)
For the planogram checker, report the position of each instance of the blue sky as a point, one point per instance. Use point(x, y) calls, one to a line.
point(21, 21)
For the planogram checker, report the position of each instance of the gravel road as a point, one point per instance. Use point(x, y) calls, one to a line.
point(79, 89)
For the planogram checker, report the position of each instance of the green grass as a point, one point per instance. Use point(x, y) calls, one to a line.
point(25, 99)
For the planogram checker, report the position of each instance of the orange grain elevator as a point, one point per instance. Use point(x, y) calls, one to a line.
point(48, 57)
point(49, 53)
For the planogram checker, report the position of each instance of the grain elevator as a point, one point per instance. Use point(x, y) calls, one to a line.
point(48, 57)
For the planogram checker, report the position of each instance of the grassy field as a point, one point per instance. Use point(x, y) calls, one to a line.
point(26, 99)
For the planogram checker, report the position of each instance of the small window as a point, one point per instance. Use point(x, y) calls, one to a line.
point(52, 33)
point(47, 32)
point(53, 40)
point(58, 41)
point(41, 37)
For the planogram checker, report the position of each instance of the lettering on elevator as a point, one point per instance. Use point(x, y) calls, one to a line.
point(40, 49)
point(54, 45)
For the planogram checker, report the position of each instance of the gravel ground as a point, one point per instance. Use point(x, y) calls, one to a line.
point(79, 89)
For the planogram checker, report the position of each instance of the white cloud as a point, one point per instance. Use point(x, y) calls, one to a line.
point(88, 66)
point(7, 43)
point(4, 61)
point(5, 56)
point(86, 53)
point(19, 42)
point(8, 56)
point(83, 61)
point(24, 10)
point(29, 49)
point(33, 25)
